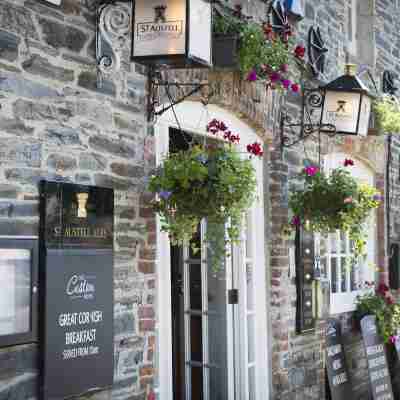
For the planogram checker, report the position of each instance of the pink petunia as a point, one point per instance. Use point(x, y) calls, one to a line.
point(348, 200)
point(311, 170)
point(295, 88)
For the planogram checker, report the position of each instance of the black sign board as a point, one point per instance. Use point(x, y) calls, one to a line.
point(378, 370)
point(305, 320)
point(77, 216)
point(336, 367)
point(77, 295)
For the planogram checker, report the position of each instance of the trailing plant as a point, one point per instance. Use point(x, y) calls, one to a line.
point(387, 110)
point(387, 312)
point(209, 181)
point(263, 54)
point(333, 202)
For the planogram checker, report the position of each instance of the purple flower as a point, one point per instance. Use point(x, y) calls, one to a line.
point(164, 194)
point(275, 77)
point(311, 170)
point(252, 76)
point(286, 83)
point(295, 221)
point(377, 197)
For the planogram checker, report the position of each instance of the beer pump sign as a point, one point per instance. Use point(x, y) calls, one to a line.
point(76, 259)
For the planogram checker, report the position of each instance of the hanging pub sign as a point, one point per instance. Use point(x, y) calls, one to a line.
point(76, 267)
point(338, 376)
point(378, 370)
point(176, 33)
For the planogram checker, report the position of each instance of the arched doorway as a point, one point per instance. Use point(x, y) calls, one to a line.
point(212, 346)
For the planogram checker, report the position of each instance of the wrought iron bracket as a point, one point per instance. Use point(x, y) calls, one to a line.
point(113, 23)
point(182, 91)
point(293, 132)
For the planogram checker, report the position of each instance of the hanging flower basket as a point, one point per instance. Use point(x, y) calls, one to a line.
point(256, 50)
point(387, 111)
point(207, 181)
point(334, 202)
point(386, 310)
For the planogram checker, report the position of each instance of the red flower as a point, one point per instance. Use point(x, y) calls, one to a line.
point(299, 51)
point(348, 162)
point(382, 289)
point(255, 149)
point(311, 170)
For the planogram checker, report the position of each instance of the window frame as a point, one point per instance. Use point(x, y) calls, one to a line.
point(32, 335)
point(342, 302)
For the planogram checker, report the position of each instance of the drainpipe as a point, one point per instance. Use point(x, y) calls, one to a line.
point(387, 198)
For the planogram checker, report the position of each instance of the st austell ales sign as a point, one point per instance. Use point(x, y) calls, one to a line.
point(76, 257)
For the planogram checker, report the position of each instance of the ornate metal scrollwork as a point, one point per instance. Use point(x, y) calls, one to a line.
point(388, 85)
point(293, 132)
point(112, 35)
point(316, 51)
point(279, 20)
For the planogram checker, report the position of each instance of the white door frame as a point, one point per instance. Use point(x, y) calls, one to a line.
point(193, 117)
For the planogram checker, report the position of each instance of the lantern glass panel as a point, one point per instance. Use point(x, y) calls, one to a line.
point(200, 30)
point(365, 114)
point(342, 109)
point(159, 28)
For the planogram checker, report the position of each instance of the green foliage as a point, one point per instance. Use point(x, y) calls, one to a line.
point(334, 202)
point(262, 52)
point(255, 50)
point(387, 312)
point(211, 182)
point(387, 110)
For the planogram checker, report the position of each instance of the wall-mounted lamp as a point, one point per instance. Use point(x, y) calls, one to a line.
point(343, 106)
point(174, 33)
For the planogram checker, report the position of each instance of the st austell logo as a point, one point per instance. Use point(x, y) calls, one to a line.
point(160, 13)
point(160, 27)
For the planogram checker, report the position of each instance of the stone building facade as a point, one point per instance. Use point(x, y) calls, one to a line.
point(56, 123)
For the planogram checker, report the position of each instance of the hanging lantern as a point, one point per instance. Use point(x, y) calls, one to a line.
point(347, 104)
point(176, 33)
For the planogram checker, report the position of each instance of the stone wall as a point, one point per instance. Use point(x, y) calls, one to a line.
point(54, 123)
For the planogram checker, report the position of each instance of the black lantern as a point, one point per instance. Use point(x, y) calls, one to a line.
point(347, 104)
point(343, 106)
point(176, 33)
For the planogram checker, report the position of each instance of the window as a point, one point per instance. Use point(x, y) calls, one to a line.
point(18, 297)
point(352, 26)
point(334, 250)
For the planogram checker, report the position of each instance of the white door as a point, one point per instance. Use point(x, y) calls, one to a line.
point(219, 350)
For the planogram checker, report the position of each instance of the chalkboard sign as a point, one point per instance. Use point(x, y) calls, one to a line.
point(338, 376)
point(378, 370)
point(76, 259)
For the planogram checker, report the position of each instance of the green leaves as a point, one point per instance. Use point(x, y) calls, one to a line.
point(203, 182)
point(335, 202)
point(387, 109)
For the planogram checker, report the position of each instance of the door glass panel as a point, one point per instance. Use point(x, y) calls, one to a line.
point(343, 274)
point(250, 338)
point(15, 293)
point(197, 383)
point(249, 242)
point(334, 274)
point(249, 286)
point(195, 286)
point(252, 383)
point(196, 340)
point(217, 329)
